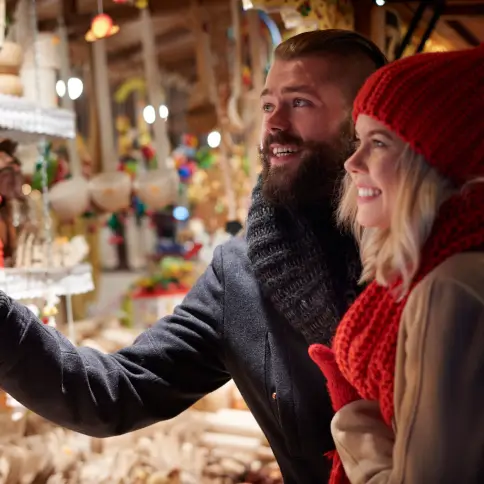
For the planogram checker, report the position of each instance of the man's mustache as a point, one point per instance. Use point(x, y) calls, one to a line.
point(282, 138)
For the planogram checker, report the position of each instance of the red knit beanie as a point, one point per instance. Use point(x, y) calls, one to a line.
point(434, 102)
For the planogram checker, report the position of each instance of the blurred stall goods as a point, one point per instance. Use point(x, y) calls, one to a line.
point(210, 443)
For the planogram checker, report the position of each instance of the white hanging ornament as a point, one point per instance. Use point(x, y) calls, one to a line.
point(111, 192)
point(70, 198)
point(157, 188)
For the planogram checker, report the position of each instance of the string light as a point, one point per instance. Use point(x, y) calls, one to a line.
point(164, 112)
point(214, 139)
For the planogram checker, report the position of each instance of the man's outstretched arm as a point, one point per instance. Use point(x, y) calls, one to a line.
point(167, 369)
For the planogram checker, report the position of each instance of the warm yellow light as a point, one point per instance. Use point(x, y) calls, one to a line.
point(101, 25)
point(101, 28)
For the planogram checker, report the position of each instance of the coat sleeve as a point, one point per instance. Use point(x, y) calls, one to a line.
point(439, 418)
point(168, 368)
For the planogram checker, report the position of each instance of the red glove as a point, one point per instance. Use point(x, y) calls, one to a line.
point(341, 393)
point(340, 390)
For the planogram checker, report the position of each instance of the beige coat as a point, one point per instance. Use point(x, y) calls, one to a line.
point(438, 435)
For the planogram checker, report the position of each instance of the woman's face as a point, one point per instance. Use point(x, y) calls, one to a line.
point(373, 170)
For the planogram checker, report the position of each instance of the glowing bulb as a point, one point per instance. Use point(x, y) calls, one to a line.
point(60, 88)
point(164, 112)
point(101, 25)
point(149, 114)
point(214, 139)
point(75, 87)
point(380, 3)
point(181, 213)
point(26, 189)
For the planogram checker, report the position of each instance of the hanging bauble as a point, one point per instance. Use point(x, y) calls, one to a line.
point(158, 188)
point(70, 198)
point(184, 172)
point(101, 27)
point(11, 58)
point(111, 191)
point(190, 141)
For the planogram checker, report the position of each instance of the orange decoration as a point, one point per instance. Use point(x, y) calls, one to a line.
point(102, 26)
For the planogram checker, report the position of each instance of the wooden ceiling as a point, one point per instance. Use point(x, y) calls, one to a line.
point(175, 41)
point(462, 23)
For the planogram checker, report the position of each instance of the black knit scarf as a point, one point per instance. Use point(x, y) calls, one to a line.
point(305, 265)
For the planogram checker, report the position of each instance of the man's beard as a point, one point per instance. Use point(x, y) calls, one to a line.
point(318, 174)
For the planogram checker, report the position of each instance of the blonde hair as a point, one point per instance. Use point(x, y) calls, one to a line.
point(394, 253)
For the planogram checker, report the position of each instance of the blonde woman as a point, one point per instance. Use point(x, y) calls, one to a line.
point(406, 371)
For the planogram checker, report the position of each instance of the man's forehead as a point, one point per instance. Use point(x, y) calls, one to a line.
point(311, 73)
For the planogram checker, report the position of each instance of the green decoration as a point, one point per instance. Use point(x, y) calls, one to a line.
point(52, 167)
point(114, 223)
point(205, 158)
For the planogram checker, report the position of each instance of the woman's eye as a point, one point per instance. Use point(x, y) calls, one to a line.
point(378, 144)
point(299, 103)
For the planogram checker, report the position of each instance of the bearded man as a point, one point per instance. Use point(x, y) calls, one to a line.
point(253, 312)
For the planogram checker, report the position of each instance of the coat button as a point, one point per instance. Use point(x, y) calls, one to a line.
point(274, 396)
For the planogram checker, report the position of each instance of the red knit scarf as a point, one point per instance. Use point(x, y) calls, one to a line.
point(366, 340)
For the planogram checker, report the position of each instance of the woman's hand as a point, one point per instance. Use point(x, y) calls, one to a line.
point(339, 389)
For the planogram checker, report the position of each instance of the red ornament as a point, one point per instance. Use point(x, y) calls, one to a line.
point(116, 240)
point(147, 152)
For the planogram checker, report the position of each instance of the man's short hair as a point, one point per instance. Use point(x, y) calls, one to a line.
point(330, 42)
point(355, 56)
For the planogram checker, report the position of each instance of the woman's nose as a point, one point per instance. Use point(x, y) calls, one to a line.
point(355, 163)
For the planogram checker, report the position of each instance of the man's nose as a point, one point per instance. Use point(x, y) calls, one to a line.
point(278, 120)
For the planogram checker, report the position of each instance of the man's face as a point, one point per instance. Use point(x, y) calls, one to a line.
point(306, 131)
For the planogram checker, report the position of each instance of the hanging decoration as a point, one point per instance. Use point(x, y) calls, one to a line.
point(57, 168)
point(136, 3)
point(157, 188)
point(304, 15)
point(102, 26)
point(70, 198)
point(111, 191)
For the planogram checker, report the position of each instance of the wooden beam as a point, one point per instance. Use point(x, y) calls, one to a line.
point(461, 9)
point(170, 39)
point(363, 16)
point(464, 10)
point(464, 32)
point(78, 24)
point(68, 8)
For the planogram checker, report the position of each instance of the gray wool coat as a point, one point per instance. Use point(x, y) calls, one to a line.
point(224, 329)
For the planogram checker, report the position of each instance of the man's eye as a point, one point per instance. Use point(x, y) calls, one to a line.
point(299, 103)
point(267, 108)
